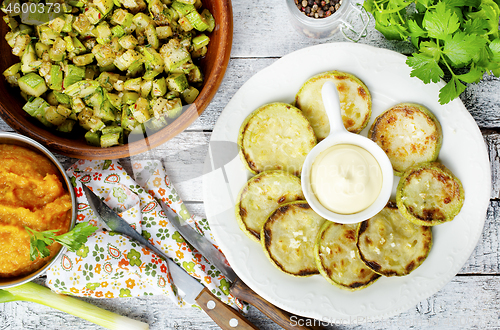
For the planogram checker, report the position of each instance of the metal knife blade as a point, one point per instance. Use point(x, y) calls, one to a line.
point(200, 243)
point(239, 289)
point(193, 291)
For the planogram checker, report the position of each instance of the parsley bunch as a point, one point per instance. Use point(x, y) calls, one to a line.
point(73, 240)
point(460, 37)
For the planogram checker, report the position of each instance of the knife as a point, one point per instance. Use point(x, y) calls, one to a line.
point(238, 289)
point(225, 316)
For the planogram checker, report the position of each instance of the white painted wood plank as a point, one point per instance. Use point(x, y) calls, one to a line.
point(467, 302)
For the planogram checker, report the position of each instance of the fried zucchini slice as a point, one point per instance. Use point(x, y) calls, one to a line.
point(337, 257)
point(276, 136)
point(390, 244)
point(409, 134)
point(261, 195)
point(355, 102)
point(288, 237)
point(429, 194)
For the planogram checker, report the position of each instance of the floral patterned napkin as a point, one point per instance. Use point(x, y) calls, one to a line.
point(110, 265)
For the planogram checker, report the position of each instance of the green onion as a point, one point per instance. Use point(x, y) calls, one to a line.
point(42, 295)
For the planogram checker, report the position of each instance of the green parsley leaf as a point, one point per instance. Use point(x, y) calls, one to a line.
point(424, 67)
point(441, 22)
point(431, 49)
point(73, 240)
point(461, 48)
point(451, 90)
point(478, 26)
point(474, 75)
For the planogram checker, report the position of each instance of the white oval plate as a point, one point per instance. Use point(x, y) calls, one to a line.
point(388, 79)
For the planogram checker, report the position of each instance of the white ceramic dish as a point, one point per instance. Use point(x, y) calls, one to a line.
point(339, 135)
point(388, 79)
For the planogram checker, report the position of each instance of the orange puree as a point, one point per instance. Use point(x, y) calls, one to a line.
point(32, 195)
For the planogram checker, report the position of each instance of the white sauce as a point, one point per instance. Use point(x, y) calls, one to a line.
point(346, 178)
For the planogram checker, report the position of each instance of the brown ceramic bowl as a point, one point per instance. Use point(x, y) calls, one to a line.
point(213, 65)
point(23, 141)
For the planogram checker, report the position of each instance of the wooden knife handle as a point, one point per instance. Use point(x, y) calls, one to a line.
point(224, 315)
point(283, 318)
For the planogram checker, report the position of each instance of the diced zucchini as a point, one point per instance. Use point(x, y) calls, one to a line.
point(159, 106)
point(95, 99)
point(12, 70)
point(159, 87)
point(103, 33)
point(195, 75)
point(105, 6)
point(40, 48)
point(115, 100)
point(199, 52)
point(122, 17)
point(73, 75)
point(142, 20)
point(93, 15)
point(107, 79)
point(77, 104)
point(57, 24)
point(82, 88)
point(32, 107)
point(20, 44)
point(81, 24)
point(183, 8)
point(56, 78)
point(32, 84)
point(185, 24)
point(190, 94)
point(93, 138)
point(128, 121)
point(174, 55)
point(104, 55)
point(111, 139)
point(66, 126)
point(83, 60)
point(105, 111)
point(62, 98)
point(126, 59)
point(152, 37)
point(58, 50)
point(174, 108)
point(200, 41)
point(146, 86)
point(133, 84)
point(140, 110)
point(128, 42)
point(29, 56)
point(209, 19)
point(150, 74)
point(153, 59)
point(118, 31)
point(129, 98)
point(55, 115)
point(197, 21)
point(159, 12)
point(164, 32)
point(177, 82)
point(68, 23)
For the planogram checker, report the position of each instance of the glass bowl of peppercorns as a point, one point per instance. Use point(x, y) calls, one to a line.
point(321, 19)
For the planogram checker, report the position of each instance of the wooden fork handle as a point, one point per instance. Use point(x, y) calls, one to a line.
point(283, 318)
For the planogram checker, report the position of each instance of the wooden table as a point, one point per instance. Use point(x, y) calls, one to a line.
point(262, 34)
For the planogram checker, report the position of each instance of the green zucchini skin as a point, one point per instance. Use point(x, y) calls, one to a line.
point(391, 245)
point(429, 194)
point(276, 136)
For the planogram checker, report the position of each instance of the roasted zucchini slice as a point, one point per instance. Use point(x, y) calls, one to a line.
point(337, 257)
point(390, 244)
point(355, 102)
point(276, 136)
point(429, 194)
point(261, 195)
point(409, 134)
point(288, 237)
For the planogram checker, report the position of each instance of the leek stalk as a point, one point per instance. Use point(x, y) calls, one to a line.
point(42, 295)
